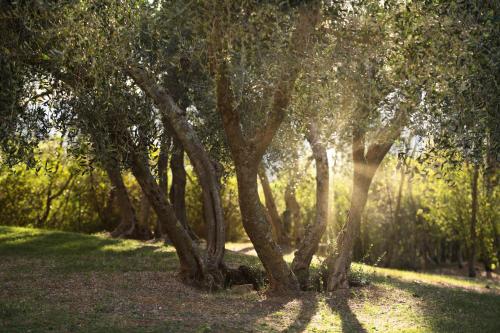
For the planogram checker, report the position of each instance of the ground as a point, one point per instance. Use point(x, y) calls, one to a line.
point(66, 282)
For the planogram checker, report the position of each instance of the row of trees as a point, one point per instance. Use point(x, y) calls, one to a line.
point(417, 215)
point(239, 87)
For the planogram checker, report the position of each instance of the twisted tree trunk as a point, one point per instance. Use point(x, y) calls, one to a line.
point(162, 172)
point(202, 164)
point(258, 229)
point(247, 152)
point(192, 267)
point(177, 192)
point(365, 165)
point(313, 234)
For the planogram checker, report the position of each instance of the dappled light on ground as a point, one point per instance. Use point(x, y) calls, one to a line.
point(54, 281)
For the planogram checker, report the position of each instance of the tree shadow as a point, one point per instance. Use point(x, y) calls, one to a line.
point(339, 303)
point(72, 252)
point(308, 309)
point(274, 308)
point(452, 309)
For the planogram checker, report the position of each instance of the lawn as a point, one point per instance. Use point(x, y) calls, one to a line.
point(66, 282)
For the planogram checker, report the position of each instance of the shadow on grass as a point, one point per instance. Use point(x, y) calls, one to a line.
point(339, 303)
point(308, 309)
point(449, 309)
point(72, 252)
point(284, 313)
point(440, 308)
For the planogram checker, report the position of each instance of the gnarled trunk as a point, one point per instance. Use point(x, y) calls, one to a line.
point(313, 234)
point(339, 264)
point(274, 217)
point(163, 172)
point(364, 167)
point(202, 164)
point(192, 268)
point(178, 188)
point(177, 192)
point(247, 152)
point(258, 229)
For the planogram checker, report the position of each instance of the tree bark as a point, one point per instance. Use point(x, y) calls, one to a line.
point(163, 163)
point(178, 188)
point(313, 234)
point(473, 221)
point(248, 152)
point(280, 276)
point(192, 268)
point(202, 164)
point(277, 225)
point(177, 192)
point(162, 172)
point(364, 167)
point(338, 265)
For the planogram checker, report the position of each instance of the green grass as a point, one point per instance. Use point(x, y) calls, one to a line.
point(66, 252)
point(65, 282)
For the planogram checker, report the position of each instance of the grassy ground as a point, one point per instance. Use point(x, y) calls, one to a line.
point(65, 282)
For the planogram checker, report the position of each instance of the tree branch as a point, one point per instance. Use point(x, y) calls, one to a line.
point(300, 41)
point(230, 116)
point(385, 138)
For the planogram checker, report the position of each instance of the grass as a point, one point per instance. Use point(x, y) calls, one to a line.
point(65, 282)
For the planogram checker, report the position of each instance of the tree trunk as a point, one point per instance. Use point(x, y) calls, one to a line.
point(163, 172)
point(339, 264)
point(247, 152)
point(202, 164)
point(313, 234)
point(142, 231)
point(128, 221)
point(163, 163)
point(178, 188)
point(473, 222)
point(192, 269)
point(278, 227)
point(281, 278)
point(177, 192)
point(364, 167)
